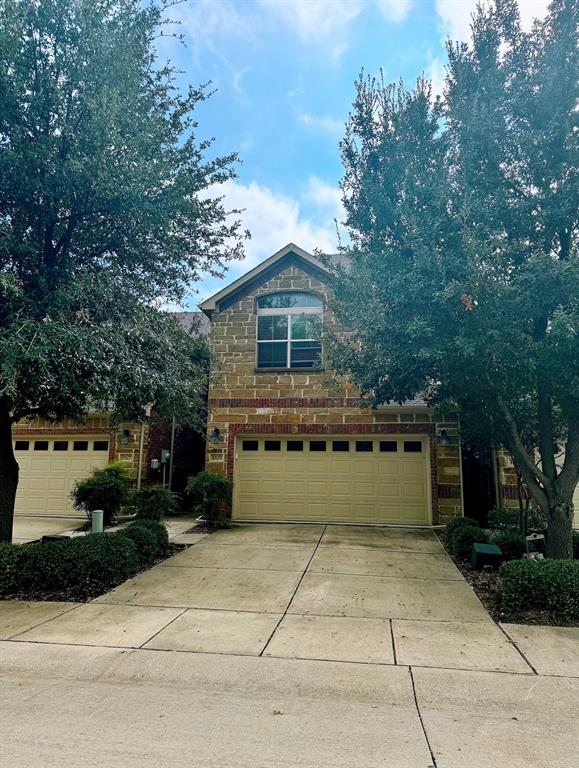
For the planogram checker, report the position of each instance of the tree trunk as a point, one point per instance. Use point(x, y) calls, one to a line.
point(8, 476)
point(560, 530)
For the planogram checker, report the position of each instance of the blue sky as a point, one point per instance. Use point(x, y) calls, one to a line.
point(284, 73)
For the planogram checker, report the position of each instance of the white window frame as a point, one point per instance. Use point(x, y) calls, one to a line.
point(288, 313)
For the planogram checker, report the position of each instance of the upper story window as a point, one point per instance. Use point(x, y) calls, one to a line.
point(286, 329)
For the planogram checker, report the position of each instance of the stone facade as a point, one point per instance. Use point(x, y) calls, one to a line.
point(244, 400)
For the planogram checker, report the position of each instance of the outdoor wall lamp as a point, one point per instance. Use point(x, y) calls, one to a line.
point(125, 436)
point(214, 435)
point(443, 439)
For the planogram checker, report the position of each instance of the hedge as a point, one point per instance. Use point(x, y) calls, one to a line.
point(543, 585)
point(154, 502)
point(463, 537)
point(150, 538)
point(513, 545)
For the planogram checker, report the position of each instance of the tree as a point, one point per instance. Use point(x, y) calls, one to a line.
point(463, 217)
point(104, 216)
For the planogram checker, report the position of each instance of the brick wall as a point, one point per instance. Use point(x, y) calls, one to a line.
point(243, 400)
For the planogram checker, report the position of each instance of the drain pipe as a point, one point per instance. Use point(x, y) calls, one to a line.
point(171, 452)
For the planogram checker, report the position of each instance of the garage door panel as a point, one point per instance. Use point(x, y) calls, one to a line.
point(333, 485)
point(47, 477)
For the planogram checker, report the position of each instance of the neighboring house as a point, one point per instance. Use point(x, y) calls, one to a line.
point(298, 443)
point(53, 456)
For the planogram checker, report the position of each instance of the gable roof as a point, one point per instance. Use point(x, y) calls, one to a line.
point(291, 249)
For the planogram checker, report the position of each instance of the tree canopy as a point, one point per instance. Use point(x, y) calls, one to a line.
point(464, 270)
point(107, 212)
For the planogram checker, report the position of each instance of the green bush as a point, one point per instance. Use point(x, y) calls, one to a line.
point(154, 502)
point(145, 542)
point(150, 538)
point(509, 521)
point(9, 559)
point(458, 522)
point(576, 545)
point(215, 493)
point(544, 585)
point(105, 489)
point(96, 560)
point(463, 538)
point(513, 545)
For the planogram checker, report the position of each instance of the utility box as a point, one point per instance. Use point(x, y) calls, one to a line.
point(485, 556)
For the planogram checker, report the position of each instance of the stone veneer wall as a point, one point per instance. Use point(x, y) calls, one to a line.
point(243, 400)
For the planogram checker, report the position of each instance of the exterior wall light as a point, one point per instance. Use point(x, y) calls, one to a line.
point(443, 439)
point(125, 436)
point(214, 435)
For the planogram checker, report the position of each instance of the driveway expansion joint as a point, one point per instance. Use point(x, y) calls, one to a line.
point(269, 639)
point(419, 713)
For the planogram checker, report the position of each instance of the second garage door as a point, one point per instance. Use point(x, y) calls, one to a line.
point(340, 479)
point(49, 468)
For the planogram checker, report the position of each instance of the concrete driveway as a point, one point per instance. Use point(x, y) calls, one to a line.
point(295, 645)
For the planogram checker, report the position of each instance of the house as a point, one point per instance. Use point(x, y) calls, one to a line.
point(52, 457)
point(298, 443)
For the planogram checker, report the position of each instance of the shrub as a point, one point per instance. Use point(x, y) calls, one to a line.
point(458, 522)
point(513, 545)
point(463, 539)
point(145, 542)
point(549, 585)
point(154, 502)
point(97, 560)
point(9, 560)
point(509, 521)
point(150, 538)
point(105, 489)
point(215, 492)
point(576, 545)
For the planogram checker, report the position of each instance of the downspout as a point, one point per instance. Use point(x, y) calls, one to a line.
point(140, 464)
point(171, 450)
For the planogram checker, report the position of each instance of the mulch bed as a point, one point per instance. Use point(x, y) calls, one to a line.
point(200, 528)
point(485, 584)
point(84, 593)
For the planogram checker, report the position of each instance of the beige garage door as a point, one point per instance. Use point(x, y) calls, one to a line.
point(49, 468)
point(337, 479)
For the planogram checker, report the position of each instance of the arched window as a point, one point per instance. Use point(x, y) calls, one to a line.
point(286, 330)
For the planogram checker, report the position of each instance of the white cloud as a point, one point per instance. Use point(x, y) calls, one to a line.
point(324, 197)
point(316, 21)
point(275, 220)
point(456, 15)
point(395, 10)
point(436, 74)
point(326, 124)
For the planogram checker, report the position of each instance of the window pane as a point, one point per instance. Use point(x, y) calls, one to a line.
point(21, 445)
point(101, 445)
point(340, 446)
point(388, 446)
point(364, 446)
point(41, 445)
point(295, 445)
point(272, 327)
point(272, 445)
point(305, 354)
point(288, 300)
point(250, 445)
point(412, 446)
point(304, 326)
point(60, 445)
point(272, 354)
point(80, 445)
point(317, 445)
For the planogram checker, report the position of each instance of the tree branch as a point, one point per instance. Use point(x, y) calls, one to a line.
point(518, 449)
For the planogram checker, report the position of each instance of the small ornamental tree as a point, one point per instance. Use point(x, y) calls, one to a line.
point(464, 270)
point(104, 217)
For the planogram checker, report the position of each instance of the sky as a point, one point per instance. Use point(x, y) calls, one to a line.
point(283, 72)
